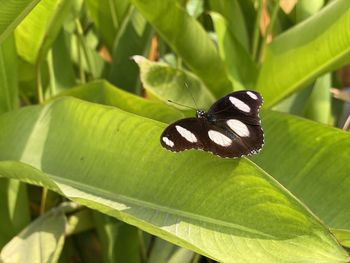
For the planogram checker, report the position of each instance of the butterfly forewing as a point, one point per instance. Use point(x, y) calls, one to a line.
point(231, 128)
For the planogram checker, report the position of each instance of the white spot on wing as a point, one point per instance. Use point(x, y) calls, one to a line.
point(168, 142)
point(239, 104)
point(189, 136)
point(219, 138)
point(252, 95)
point(238, 127)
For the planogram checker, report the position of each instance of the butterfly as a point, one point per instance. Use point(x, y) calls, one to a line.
point(230, 128)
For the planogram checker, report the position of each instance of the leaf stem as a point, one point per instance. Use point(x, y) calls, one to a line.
point(256, 33)
point(269, 29)
point(39, 87)
point(142, 246)
point(80, 35)
point(51, 73)
point(43, 200)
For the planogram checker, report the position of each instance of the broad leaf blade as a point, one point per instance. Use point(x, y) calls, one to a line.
point(232, 13)
point(107, 16)
point(318, 107)
point(317, 160)
point(12, 12)
point(41, 241)
point(8, 76)
point(229, 210)
point(168, 83)
point(297, 57)
point(189, 40)
point(104, 93)
point(133, 38)
point(120, 241)
point(242, 70)
point(44, 23)
point(14, 212)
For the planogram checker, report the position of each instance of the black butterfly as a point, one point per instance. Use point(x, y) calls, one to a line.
point(230, 128)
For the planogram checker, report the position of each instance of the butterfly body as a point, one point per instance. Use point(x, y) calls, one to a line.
point(230, 128)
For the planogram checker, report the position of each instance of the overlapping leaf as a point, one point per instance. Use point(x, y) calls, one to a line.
point(298, 56)
point(168, 83)
point(44, 23)
point(189, 40)
point(12, 12)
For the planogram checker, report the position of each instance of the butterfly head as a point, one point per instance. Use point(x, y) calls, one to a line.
point(201, 114)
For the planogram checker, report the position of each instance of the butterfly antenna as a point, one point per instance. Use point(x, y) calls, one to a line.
point(181, 105)
point(189, 90)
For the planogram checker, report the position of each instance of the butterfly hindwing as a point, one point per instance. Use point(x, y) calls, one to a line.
point(243, 105)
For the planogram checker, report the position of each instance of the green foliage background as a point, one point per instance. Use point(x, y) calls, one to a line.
point(83, 100)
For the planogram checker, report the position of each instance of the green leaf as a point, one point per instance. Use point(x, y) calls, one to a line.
point(319, 105)
point(182, 255)
point(241, 67)
point(86, 57)
point(104, 93)
point(168, 83)
point(44, 22)
point(8, 76)
point(231, 11)
point(63, 68)
point(295, 103)
point(14, 212)
point(343, 236)
point(120, 241)
point(107, 16)
point(306, 8)
point(195, 7)
point(162, 251)
point(111, 160)
point(189, 40)
point(133, 38)
point(295, 58)
point(41, 241)
point(12, 12)
point(312, 161)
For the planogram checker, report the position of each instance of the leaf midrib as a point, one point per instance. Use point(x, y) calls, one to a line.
point(119, 198)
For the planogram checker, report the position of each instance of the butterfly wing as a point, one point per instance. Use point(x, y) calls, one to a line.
point(243, 105)
point(198, 133)
point(231, 128)
point(237, 114)
point(184, 134)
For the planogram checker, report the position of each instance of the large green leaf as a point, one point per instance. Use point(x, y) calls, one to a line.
point(63, 68)
point(104, 93)
point(41, 241)
point(232, 13)
point(133, 38)
point(312, 161)
point(107, 16)
point(12, 12)
point(241, 67)
point(168, 83)
point(44, 23)
point(189, 40)
point(14, 212)
point(8, 76)
point(111, 160)
point(318, 107)
point(120, 241)
point(298, 56)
